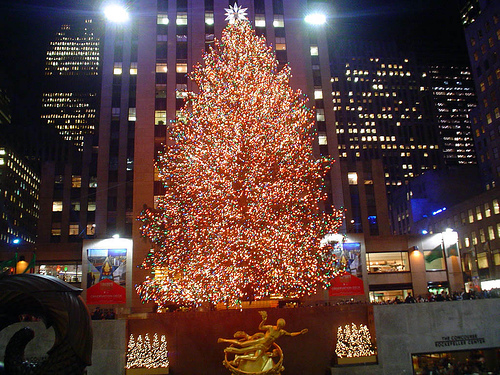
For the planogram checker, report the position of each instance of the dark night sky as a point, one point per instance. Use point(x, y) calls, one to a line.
point(431, 27)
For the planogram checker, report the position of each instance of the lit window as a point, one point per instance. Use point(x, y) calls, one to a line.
point(75, 205)
point(56, 229)
point(474, 238)
point(322, 139)
point(161, 68)
point(278, 21)
point(487, 210)
point(489, 120)
point(352, 177)
point(181, 68)
point(479, 215)
point(90, 229)
point(162, 19)
point(209, 18)
point(467, 241)
point(280, 44)
point(93, 182)
point(132, 114)
point(91, 206)
point(117, 68)
point(482, 261)
point(133, 68)
point(181, 19)
point(160, 117)
point(74, 230)
point(76, 181)
point(482, 236)
point(260, 20)
point(320, 114)
point(314, 50)
point(496, 207)
point(496, 259)
point(57, 206)
point(491, 232)
point(318, 94)
point(471, 216)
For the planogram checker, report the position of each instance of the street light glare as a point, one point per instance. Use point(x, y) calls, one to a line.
point(116, 13)
point(315, 19)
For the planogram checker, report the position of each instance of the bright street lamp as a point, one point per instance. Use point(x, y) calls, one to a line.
point(315, 18)
point(116, 13)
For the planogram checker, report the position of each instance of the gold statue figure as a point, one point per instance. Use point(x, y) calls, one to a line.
point(257, 354)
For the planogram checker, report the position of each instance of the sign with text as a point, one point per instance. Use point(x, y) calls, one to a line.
point(346, 285)
point(106, 276)
point(459, 340)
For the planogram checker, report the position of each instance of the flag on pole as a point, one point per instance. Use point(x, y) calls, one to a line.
point(436, 253)
point(452, 250)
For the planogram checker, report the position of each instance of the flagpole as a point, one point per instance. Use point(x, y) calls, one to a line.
point(443, 249)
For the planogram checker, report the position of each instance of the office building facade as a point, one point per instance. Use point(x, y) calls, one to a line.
point(482, 33)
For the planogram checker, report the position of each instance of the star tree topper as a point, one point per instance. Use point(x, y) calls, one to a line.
point(234, 13)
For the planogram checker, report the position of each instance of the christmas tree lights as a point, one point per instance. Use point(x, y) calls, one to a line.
point(144, 354)
point(243, 191)
point(354, 342)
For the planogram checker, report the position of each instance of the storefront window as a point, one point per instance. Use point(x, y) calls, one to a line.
point(479, 361)
point(71, 273)
point(389, 296)
point(388, 262)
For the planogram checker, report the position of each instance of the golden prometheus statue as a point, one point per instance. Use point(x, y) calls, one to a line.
point(257, 354)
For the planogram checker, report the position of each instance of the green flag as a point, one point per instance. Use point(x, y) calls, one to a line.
point(31, 264)
point(434, 254)
point(452, 250)
point(9, 263)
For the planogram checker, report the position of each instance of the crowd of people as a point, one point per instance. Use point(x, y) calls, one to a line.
point(456, 364)
point(106, 314)
point(444, 296)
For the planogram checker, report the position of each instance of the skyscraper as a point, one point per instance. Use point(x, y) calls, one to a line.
point(482, 33)
point(19, 186)
point(70, 100)
point(454, 97)
point(67, 148)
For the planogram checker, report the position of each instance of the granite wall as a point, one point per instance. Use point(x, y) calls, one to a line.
point(401, 330)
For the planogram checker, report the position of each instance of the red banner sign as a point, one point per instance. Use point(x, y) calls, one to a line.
point(346, 285)
point(106, 292)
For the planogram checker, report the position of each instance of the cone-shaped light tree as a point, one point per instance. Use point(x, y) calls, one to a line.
point(243, 191)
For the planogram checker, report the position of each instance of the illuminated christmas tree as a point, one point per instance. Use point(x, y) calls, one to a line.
point(144, 354)
point(241, 210)
point(354, 342)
